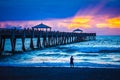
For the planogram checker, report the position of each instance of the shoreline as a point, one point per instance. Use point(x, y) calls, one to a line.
point(58, 64)
point(58, 73)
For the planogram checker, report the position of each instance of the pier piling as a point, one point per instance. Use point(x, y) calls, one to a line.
point(31, 44)
point(23, 44)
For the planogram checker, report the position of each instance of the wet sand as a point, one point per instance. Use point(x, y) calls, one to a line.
point(58, 73)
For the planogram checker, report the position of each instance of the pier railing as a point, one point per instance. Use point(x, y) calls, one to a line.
point(44, 39)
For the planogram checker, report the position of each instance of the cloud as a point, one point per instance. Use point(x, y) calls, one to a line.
point(13, 10)
point(102, 25)
point(114, 22)
point(110, 23)
point(80, 22)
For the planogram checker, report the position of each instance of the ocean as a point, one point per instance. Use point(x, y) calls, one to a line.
point(104, 52)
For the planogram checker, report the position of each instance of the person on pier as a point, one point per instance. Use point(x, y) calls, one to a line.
point(71, 61)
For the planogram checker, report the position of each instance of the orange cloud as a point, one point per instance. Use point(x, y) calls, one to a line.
point(101, 25)
point(110, 23)
point(114, 22)
point(70, 23)
point(80, 22)
point(87, 18)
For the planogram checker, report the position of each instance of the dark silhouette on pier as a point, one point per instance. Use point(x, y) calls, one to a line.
point(45, 38)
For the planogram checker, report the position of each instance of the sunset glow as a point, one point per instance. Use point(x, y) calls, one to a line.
point(80, 22)
point(77, 14)
point(114, 22)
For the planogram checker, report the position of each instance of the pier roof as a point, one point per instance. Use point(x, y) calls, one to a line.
point(77, 30)
point(41, 26)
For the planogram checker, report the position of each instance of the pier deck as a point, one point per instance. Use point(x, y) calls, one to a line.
point(44, 38)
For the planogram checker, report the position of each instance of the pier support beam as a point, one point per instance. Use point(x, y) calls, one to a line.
point(49, 41)
point(31, 44)
point(2, 44)
point(13, 43)
point(38, 42)
point(53, 41)
point(23, 44)
point(44, 41)
point(23, 40)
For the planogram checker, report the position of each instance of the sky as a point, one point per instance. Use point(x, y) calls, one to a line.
point(99, 16)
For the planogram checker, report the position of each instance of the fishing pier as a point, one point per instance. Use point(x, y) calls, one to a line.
point(45, 38)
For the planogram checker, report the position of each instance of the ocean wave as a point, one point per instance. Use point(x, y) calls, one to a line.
point(90, 49)
point(48, 54)
point(87, 55)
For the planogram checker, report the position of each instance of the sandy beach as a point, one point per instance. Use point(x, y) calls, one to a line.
point(58, 73)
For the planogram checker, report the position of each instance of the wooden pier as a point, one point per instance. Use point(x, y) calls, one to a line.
point(45, 39)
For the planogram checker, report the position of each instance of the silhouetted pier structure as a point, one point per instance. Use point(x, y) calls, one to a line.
point(45, 39)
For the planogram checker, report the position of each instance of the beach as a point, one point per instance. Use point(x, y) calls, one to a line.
point(58, 73)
